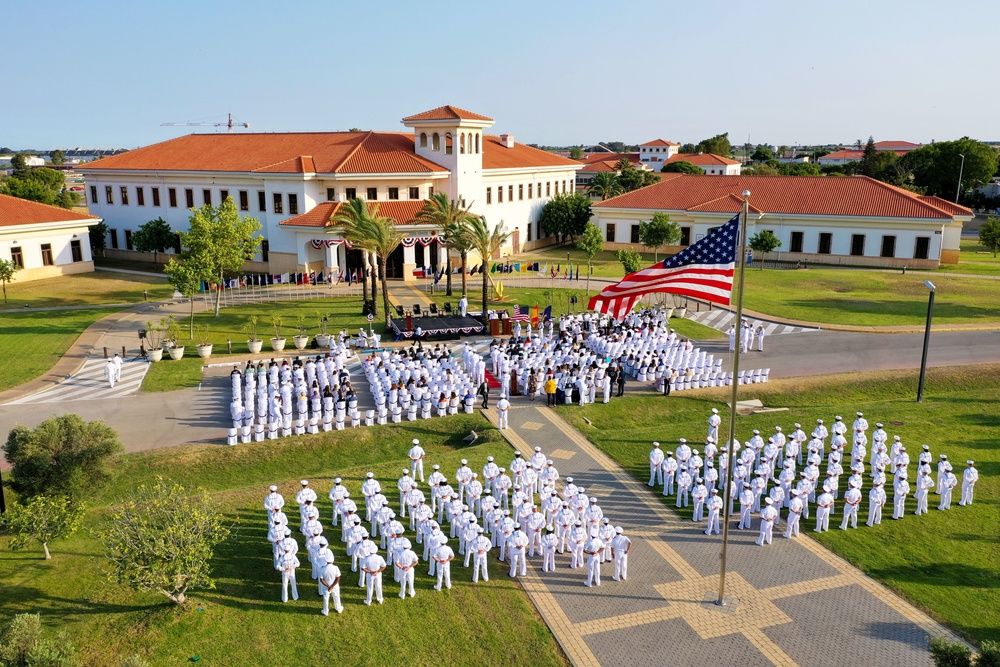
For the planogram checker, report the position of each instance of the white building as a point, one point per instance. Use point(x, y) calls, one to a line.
point(852, 220)
point(44, 241)
point(294, 182)
point(655, 153)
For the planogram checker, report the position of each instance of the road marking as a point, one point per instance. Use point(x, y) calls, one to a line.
point(711, 318)
point(89, 384)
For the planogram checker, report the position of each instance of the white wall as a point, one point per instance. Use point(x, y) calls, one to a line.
point(521, 213)
point(30, 241)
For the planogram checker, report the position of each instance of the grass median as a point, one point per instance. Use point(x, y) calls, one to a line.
point(945, 562)
point(242, 621)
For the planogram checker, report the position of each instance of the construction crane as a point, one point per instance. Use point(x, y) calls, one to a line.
point(229, 125)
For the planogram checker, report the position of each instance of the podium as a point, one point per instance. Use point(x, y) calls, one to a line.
point(495, 327)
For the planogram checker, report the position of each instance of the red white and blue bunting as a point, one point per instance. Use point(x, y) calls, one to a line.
point(435, 332)
point(329, 243)
point(425, 241)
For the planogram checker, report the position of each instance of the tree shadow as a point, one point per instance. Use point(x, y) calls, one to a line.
point(902, 633)
point(941, 574)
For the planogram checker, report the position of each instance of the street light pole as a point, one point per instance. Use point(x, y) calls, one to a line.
point(927, 340)
point(958, 190)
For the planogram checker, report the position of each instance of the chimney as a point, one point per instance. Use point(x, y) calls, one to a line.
point(507, 140)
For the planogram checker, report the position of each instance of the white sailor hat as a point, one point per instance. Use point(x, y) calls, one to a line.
point(819, 421)
point(715, 490)
point(777, 428)
point(860, 414)
point(944, 456)
point(479, 530)
point(517, 525)
point(902, 448)
point(370, 475)
point(896, 438)
point(273, 487)
point(337, 480)
point(464, 461)
point(970, 462)
point(324, 541)
point(768, 501)
point(795, 492)
point(593, 500)
point(436, 467)
point(715, 411)
point(548, 462)
point(577, 523)
point(329, 558)
point(304, 482)
point(927, 448)
point(416, 442)
point(565, 504)
point(619, 530)
point(489, 458)
point(288, 531)
point(538, 449)
point(656, 444)
point(756, 432)
point(517, 453)
point(798, 425)
point(580, 489)
point(837, 417)
point(694, 452)
point(605, 520)
point(682, 440)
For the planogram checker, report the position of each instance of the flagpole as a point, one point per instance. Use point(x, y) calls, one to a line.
point(727, 491)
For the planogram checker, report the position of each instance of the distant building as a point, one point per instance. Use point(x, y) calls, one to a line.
point(846, 155)
point(655, 153)
point(44, 241)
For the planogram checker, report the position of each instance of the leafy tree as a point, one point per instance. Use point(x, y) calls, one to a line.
point(989, 237)
point(161, 538)
point(186, 275)
point(25, 188)
point(633, 179)
point(936, 167)
point(67, 198)
point(565, 215)
point(154, 236)
point(719, 145)
point(605, 185)
point(659, 231)
point(630, 259)
point(20, 164)
point(800, 169)
point(61, 456)
point(989, 654)
point(378, 235)
point(25, 643)
point(947, 654)
point(761, 169)
point(688, 148)
point(762, 154)
point(221, 241)
point(764, 241)
point(576, 153)
point(450, 217)
point(681, 167)
point(58, 157)
point(487, 242)
point(7, 270)
point(43, 519)
point(52, 179)
point(98, 237)
point(591, 242)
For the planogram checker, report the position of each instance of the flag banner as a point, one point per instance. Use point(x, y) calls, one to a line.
point(534, 314)
point(544, 269)
point(517, 268)
point(520, 314)
point(418, 272)
point(577, 271)
point(547, 314)
point(703, 271)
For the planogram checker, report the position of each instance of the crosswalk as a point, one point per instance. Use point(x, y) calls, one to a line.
point(721, 319)
point(89, 384)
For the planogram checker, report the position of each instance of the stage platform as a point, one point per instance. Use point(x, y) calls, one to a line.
point(436, 328)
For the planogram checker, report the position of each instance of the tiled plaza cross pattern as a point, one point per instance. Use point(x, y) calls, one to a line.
point(795, 602)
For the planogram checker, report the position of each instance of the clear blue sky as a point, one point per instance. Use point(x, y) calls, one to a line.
point(107, 73)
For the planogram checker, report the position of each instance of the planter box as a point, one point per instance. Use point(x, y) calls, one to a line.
point(680, 312)
point(255, 346)
point(176, 352)
point(323, 340)
point(301, 342)
point(205, 351)
point(155, 354)
point(277, 344)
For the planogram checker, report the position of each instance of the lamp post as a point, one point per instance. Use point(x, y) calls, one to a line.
point(958, 190)
point(927, 340)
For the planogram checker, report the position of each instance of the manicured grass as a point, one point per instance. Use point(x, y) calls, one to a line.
point(243, 621)
point(605, 263)
point(971, 251)
point(168, 374)
point(32, 342)
point(869, 298)
point(86, 289)
point(945, 562)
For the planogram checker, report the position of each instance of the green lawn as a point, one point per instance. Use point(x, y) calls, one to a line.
point(488, 623)
point(605, 263)
point(86, 289)
point(947, 563)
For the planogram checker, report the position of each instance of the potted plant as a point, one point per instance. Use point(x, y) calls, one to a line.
point(253, 342)
point(204, 345)
point(277, 343)
point(302, 338)
point(173, 335)
point(154, 336)
point(322, 338)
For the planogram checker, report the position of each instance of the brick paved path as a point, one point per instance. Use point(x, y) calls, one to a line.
point(796, 602)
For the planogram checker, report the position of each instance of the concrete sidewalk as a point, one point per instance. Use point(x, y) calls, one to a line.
point(795, 602)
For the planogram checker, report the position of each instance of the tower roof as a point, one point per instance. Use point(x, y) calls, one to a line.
point(447, 112)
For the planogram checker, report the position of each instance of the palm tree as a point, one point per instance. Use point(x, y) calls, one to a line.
point(451, 218)
point(486, 243)
point(605, 185)
point(367, 232)
point(623, 164)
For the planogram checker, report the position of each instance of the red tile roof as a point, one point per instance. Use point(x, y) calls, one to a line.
point(15, 211)
point(403, 212)
point(852, 154)
point(448, 112)
point(497, 156)
point(701, 159)
point(856, 196)
point(600, 157)
point(886, 144)
point(604, 165)
point(659, 142)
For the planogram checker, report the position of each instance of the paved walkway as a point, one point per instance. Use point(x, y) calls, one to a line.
point(720, 320)
point(794, 602)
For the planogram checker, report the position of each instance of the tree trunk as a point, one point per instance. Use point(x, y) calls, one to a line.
point(465, 285)
point(364, 280)
point(178, 596)
point(218, 295)
point(5, 291)
point(374, 288)
point(448, 285)
point(588, 277)
point(385, 293)
point(486, 296)
point(45, 546)
point(191, 319)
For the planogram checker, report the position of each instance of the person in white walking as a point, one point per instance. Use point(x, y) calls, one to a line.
point(969, 479)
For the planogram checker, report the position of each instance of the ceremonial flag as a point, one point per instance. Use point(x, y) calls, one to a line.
point(534, 314)
point(418, 272)
point(577, 271)
point(520, 314)
point(703, 270)
point(547, 314)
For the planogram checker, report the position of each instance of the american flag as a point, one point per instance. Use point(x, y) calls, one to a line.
point(520, 314)
point(703, 270)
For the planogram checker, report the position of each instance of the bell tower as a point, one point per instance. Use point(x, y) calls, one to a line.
point(453, 138)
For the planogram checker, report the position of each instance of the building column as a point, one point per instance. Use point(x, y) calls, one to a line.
point(409, 263)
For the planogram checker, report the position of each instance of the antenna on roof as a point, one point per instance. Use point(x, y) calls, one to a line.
point(229, 124)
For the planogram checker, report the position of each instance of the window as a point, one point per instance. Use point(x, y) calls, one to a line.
point(351, 193)
point(265, 248)
point(489, 195)
point(278, 206)
point(685, 236)
point(189, 197)
point(47, 254)
point(461, 143)
point(261, 201)
point(17, 256)
point(510, 193)
point(548, 188)
point(635, 234)
point(371, 194)
point(128, 240)
point(520, 191)
point(77, 251)
point(393, 193)
point(414, 193)
point(177, 244)
point(223, 196)
point(499, 194)
point(609, 233)
point(114, 238)
point(124, 191)
point(206, 197)
point(293, 204)
point(93, 194)
point(796, 242)
point(418, 255)
point(825, 243)
point(477, 143)
point(140, 196)
point(529, 231)
point(423, 140)
point(530, 187)
point(449, 144)
point(921, 249)
point(172, 197)
point(888, 246)
point(108, 195)
point(857, 244)
point(156, 196)
point(331, 194)
point(430, 191)
point(244, 200)
point(435, 142)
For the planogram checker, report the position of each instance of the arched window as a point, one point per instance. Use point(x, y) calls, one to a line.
point(477, 143)
point(423, 140)
point(461, 143)
point(435, 142)
point(449, 144)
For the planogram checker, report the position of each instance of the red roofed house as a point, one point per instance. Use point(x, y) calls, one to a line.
point(294, 183)
point(846, 155)
point(43, 240)
point(852, 220)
